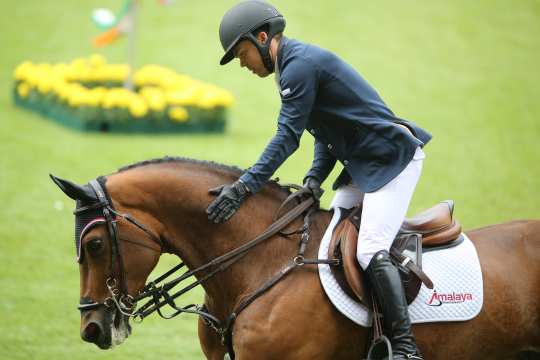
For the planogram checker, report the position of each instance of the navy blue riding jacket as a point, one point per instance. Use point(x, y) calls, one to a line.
point(324, 95)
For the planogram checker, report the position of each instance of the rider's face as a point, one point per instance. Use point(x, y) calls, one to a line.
point(250, 57)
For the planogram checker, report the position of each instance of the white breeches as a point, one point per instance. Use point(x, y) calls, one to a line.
point(383, 210)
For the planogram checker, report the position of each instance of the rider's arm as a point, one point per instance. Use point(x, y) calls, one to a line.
point(299, 81)
point(323, 163)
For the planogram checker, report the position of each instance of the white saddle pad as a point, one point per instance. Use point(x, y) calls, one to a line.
point(455, 272)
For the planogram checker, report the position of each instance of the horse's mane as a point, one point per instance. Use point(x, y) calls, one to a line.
point(272, 184)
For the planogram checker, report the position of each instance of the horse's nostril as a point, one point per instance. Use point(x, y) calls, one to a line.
point(91, 333)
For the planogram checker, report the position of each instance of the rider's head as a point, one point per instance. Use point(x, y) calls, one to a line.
point(246, 31)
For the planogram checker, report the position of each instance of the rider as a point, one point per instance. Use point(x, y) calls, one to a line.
point(381, 153)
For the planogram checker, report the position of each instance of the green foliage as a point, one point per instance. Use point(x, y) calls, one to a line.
point(466, 71)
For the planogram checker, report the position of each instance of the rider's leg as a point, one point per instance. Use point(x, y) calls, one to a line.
point(383, 213)
point(347, 197)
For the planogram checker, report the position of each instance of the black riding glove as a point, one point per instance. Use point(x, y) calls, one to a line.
point(228, 201)
point(314, 186)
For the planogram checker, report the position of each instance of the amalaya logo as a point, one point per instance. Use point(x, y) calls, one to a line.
point(448, 298)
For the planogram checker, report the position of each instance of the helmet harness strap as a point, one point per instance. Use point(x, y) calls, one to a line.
point(264, 50)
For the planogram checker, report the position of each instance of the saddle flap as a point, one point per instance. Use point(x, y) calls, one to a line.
point(351, 267)
point(343, 246)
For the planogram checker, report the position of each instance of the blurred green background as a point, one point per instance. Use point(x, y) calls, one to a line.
point(468, 71)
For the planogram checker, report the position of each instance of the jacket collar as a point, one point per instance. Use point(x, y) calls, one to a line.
point(279, 60)
point(282, 44)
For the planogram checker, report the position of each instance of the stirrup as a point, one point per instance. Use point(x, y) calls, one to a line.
point(374, 353)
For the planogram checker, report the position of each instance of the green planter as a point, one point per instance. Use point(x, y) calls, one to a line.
point(116, 120)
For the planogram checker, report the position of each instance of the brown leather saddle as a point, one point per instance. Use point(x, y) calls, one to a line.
point(432, 229)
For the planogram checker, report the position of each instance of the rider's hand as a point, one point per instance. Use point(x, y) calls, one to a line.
point(314, 187)
point(228, 201)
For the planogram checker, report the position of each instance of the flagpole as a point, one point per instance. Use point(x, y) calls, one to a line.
point(132, 24)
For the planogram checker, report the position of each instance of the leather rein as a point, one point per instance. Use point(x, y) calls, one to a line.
point(158, 290)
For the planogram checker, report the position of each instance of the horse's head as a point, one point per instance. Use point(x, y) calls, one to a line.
point(116, 253)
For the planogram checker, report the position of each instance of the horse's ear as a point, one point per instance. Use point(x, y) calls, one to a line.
point(74, 191)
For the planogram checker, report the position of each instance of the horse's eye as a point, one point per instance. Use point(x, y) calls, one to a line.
point(94, 245)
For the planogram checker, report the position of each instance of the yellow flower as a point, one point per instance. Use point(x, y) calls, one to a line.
point(116, 72)
point(183, 97)
point(138, 107)
point(212, 97)
point(44, 84)
point(62, 90)
point(79, 63)
point(225, 98)
point(22, 71)
point(207, 102)
point(60, 70)
point(179, 114)
point(108, 100)
point(74, 99)
point(23, 89)
point(155, 97)
point(157, 103)
point(96, 96)
point(154, 75)
point(96, 60)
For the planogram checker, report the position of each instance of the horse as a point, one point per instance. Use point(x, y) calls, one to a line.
point(166, 200)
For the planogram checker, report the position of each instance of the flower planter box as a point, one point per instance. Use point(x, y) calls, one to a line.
point(159, 104)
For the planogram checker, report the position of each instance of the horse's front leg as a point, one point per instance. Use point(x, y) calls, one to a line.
point(210, 342)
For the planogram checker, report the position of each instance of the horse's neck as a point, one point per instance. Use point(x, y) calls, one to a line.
point(225, 289)
point(191, 236)
point(179, 204)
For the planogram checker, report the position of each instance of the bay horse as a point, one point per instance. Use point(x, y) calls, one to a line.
point(293, 319)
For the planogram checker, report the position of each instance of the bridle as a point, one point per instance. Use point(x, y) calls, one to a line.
point(158, 290)
point(119, 297)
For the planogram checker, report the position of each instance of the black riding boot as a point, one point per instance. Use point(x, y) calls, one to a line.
point(386, 283)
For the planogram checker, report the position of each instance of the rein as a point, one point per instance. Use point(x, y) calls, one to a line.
point(158, 290)
point(224, 261)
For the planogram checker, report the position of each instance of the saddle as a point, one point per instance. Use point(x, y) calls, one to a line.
point(431, 229)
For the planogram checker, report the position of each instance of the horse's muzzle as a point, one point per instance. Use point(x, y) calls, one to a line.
point(93, 333)
point(96, 327)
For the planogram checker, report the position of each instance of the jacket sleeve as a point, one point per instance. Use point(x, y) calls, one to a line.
point(299, 82)
point(323, 163)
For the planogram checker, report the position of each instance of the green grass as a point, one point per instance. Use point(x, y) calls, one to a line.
point(468, 71)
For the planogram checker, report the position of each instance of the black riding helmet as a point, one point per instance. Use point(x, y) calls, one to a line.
point(241, 20)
